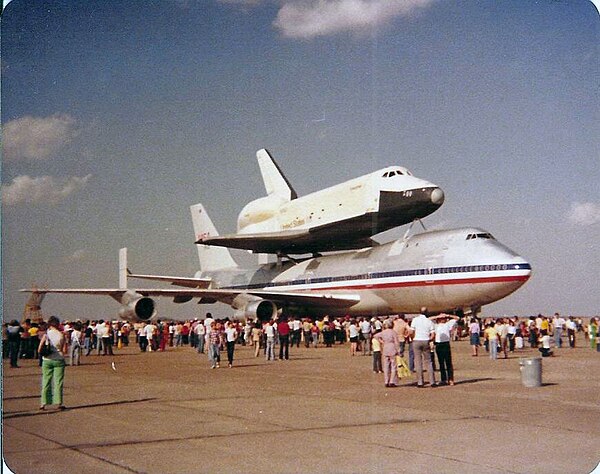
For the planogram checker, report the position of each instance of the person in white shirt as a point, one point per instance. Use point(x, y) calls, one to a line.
point(365, 335)
point(512, 333)
point(208, 320)
point(230, 338)
point(443, 328)
point(353, 337)
point(558, 322)
point(423, 333)
point(141, 335)
point(201, 333)
point(269, 331)
point(150, 330)
point(545, 349)
point(571, 330)
point(102, 336)
point(76, 343)
point(296, 327)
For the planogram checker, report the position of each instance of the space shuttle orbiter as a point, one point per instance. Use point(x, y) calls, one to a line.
point(341, 217)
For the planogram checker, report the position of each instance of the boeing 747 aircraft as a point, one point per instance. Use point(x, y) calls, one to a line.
point(446, 270)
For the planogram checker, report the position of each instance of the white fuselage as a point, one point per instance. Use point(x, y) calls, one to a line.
point(442, 270)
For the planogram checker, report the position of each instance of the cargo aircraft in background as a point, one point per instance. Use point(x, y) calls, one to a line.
point(341, 217)
point(444, 270)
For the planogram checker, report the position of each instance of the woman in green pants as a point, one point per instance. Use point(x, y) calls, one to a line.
point(53, 365)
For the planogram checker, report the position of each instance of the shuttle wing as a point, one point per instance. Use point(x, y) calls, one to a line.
point(316, 300)
point(316, 239)
point(264, 242)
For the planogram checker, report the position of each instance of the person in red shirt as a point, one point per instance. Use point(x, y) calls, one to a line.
point(283, 329)
point(164, 337)
point(185, 333)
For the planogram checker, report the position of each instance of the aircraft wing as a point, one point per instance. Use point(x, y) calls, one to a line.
point(292, 241)
point(322, 300)
point(309, 299)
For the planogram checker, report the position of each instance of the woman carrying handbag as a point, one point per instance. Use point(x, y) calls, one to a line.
point(52, 349)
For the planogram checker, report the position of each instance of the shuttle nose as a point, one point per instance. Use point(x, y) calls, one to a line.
point(437, 196)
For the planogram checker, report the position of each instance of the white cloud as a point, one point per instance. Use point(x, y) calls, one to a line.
point(37, 138)
point(309, 19)
point(44, 189)
point(584, 213)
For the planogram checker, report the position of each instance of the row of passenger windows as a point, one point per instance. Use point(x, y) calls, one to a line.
point(404, 273)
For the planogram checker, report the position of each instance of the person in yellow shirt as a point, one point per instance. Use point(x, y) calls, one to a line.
point(491, 334)
point(35, 341)
point(544, 326)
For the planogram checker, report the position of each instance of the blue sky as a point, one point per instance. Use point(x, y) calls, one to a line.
point(119, 115)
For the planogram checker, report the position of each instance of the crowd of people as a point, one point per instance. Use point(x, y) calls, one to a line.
point(426, 340)
point(504, 335)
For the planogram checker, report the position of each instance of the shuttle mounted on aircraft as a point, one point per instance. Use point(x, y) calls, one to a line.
point(341, 217)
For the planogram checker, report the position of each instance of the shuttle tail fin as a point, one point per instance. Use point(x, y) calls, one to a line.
point(275, 181)
point(211, 258)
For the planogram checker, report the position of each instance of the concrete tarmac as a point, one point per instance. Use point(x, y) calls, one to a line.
point(321, 411)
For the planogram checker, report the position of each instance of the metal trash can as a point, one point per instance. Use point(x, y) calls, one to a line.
point(531, 371)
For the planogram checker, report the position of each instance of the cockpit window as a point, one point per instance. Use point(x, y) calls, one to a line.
point(389, 174)
point(484, 235)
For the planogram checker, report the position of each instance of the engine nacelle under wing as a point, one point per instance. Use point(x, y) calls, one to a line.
point(137, 308)
point(253, 307)
point(263, 310)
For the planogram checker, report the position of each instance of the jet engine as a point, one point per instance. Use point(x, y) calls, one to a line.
point(250, 307)
point(264, 310)
point(136, 307)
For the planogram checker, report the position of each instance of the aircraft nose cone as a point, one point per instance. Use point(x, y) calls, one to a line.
point(437, 196)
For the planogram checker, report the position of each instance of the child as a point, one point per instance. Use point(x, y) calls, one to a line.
point(545, 349)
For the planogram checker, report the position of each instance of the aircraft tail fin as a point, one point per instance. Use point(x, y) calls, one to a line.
point(123, 268)
point(275, 181)
point(211, 258)
point(35, 300)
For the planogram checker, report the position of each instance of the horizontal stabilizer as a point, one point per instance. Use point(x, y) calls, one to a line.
point(174, 280)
